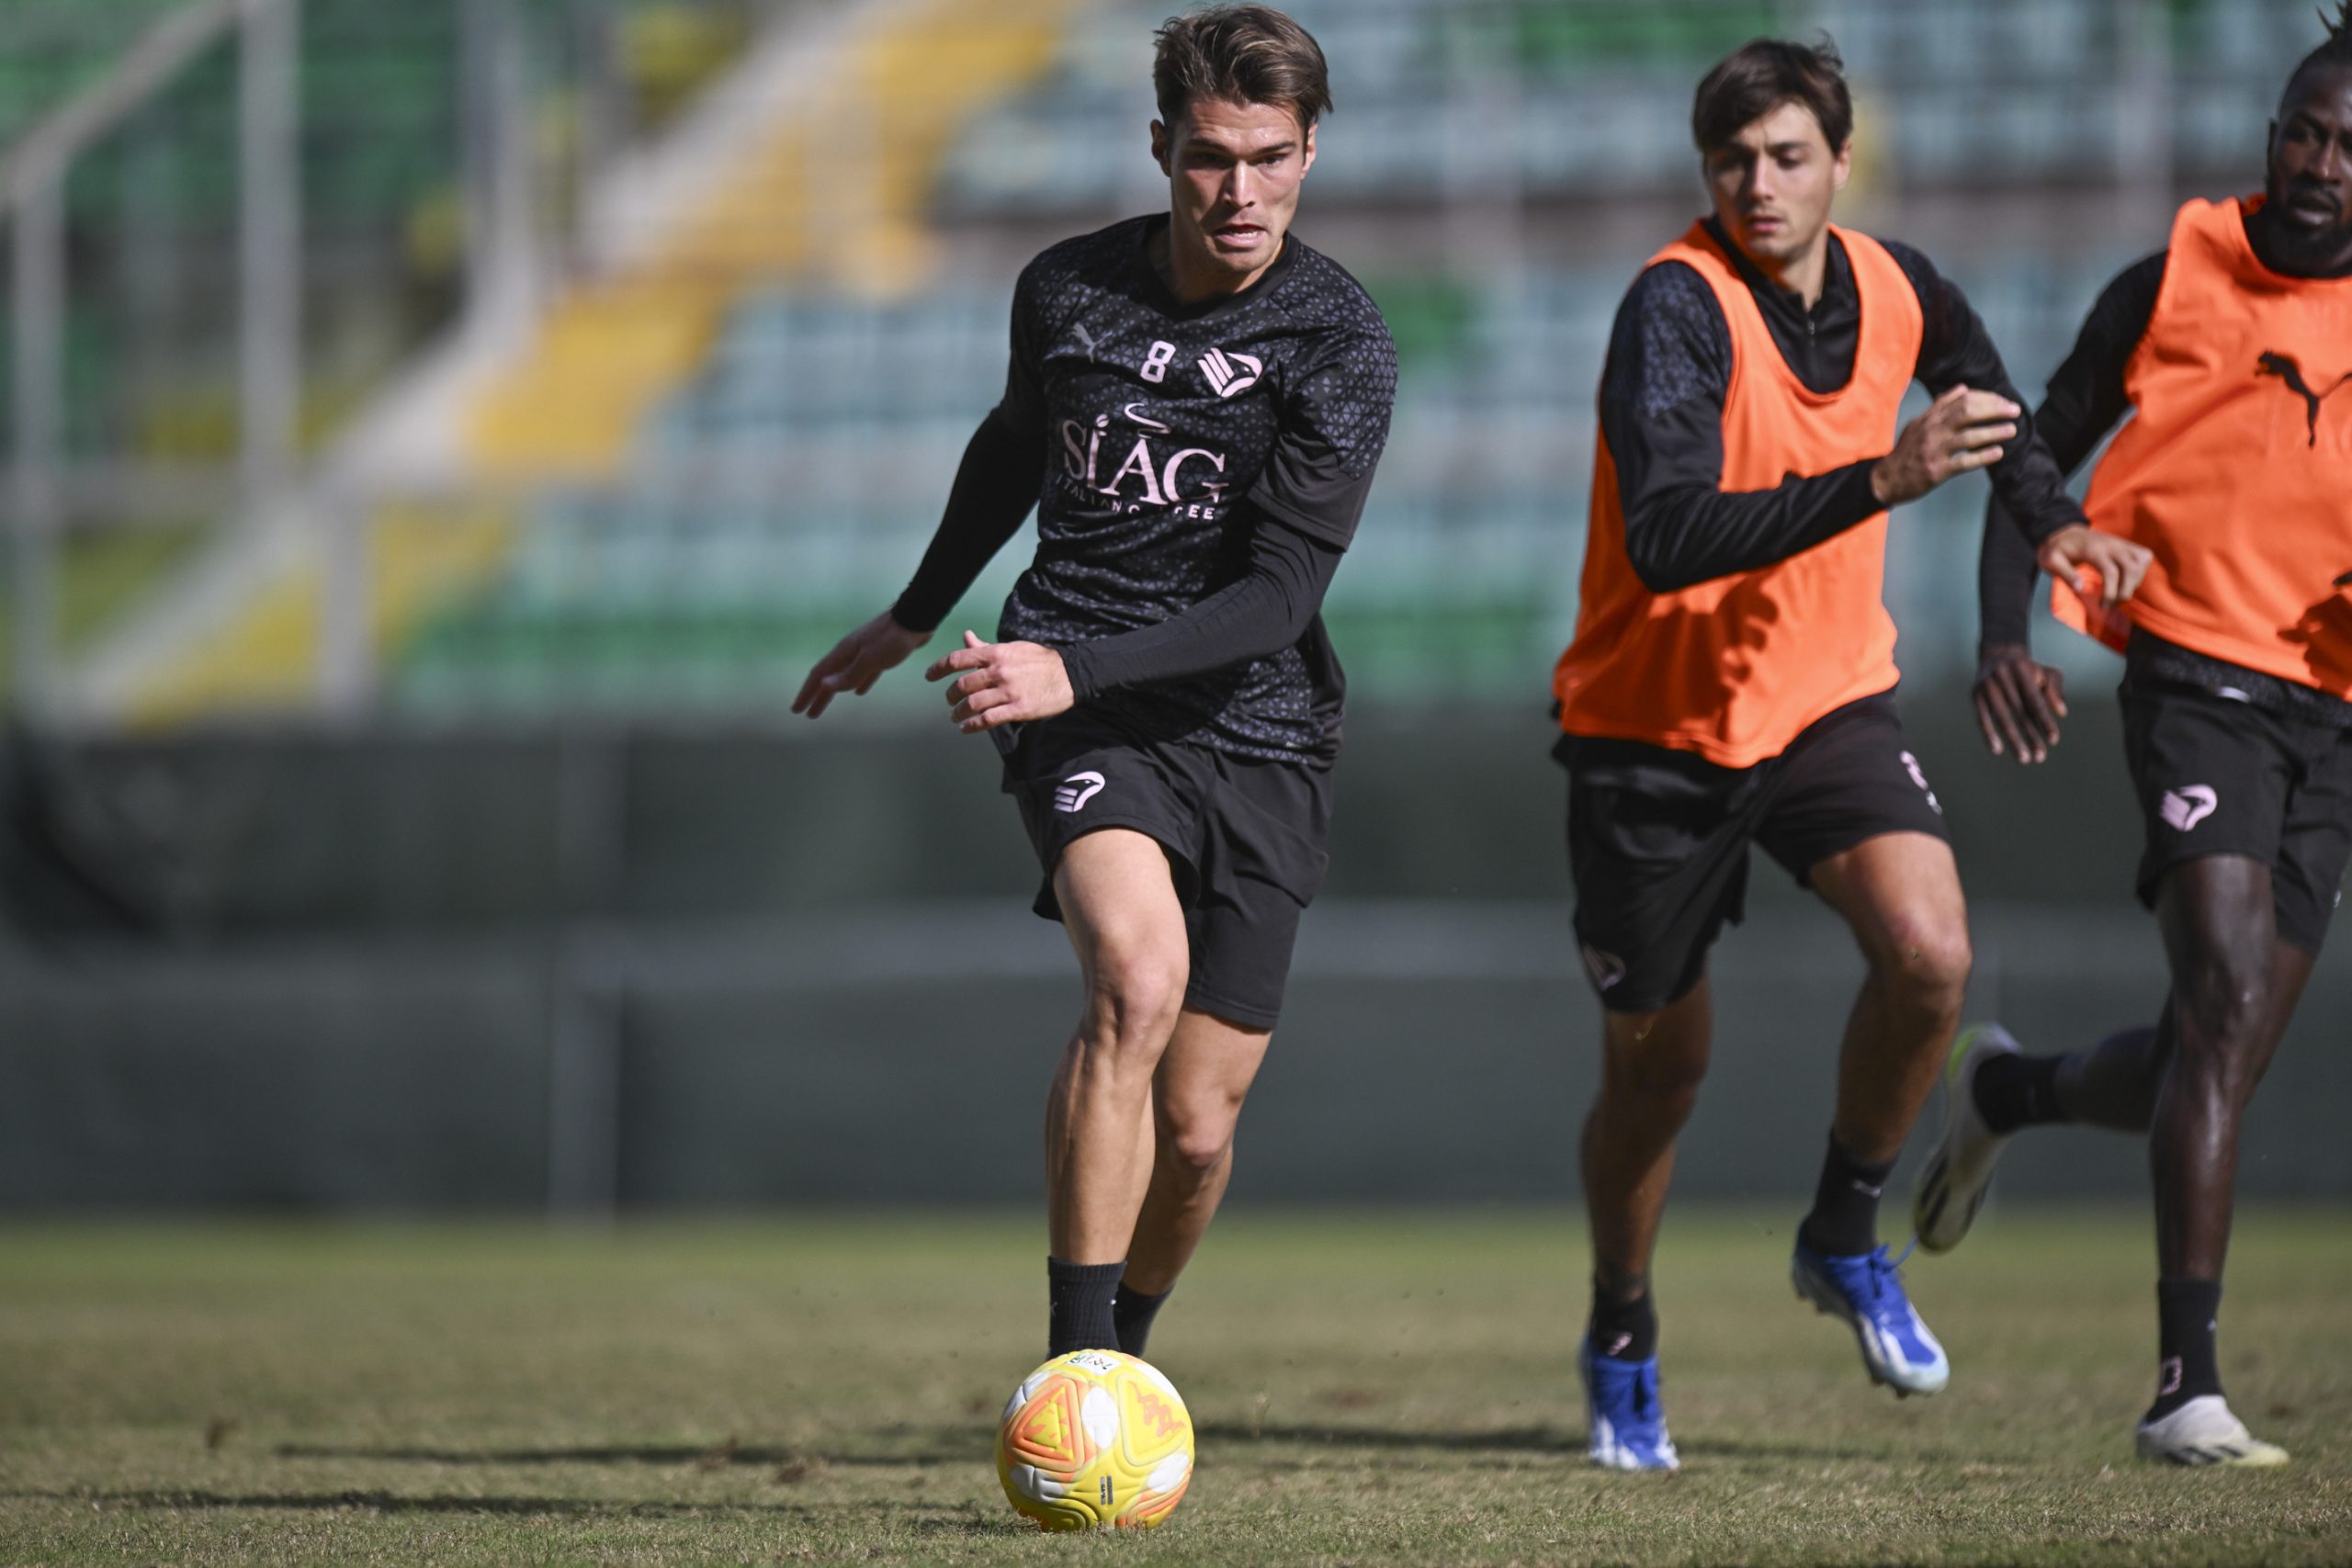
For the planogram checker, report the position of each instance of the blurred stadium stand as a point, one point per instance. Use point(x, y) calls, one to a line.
point(441, 435)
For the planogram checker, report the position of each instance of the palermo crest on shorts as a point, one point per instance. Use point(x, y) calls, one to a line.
point(2184, 807)
point(1606, 968)
point(1076, 790)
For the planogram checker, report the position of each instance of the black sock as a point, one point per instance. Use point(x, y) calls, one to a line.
point(2187, 1364)
point(1623, 1329)
point(1078, 1299)
point(2014, 1091)
point(1844, 1220)
point(1131, 1314)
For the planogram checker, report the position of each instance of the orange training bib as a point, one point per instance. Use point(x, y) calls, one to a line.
point(1734, 668)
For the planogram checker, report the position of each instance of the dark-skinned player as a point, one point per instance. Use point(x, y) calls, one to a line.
point(2231, 349)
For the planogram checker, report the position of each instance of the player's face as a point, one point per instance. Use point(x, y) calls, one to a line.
point(1233, 175)
point(1773, 183)
point(2310, 188)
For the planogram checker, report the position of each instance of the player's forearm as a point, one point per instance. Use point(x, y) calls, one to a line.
point(1689, 533)
point(2086, 396)
point(996, 485)
point(1267, 610)
point(2006, 573)
point(2029, 484)
point(1956, 351)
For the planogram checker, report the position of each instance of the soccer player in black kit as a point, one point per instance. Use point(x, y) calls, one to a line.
point(1195, 404)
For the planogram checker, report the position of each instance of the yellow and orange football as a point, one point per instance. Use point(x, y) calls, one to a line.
point(1095, 1438)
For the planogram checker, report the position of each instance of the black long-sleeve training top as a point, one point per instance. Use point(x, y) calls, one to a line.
point(1662, 394)
point(1198, 470)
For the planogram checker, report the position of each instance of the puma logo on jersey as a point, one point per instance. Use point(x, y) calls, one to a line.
point(1085, 338)
point(2284, 367)
point(2184, 807)
point(1231, 373)
point(1076, 790)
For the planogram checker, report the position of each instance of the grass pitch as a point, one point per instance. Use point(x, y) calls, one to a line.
point(1369, 1389)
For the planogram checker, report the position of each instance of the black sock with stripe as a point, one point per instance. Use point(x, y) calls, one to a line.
point(2013, 1091)
point(1131, 1315)
point(1077, 1297)
point(1624, 1328)
point(2187, 1365)
point(1844, 1220)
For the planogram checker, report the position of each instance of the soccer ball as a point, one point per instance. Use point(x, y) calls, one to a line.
point(1095, 1438)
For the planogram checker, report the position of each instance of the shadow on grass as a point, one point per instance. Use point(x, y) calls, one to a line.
point(948, 1446)
point(934, 1515)
point(962, 1445)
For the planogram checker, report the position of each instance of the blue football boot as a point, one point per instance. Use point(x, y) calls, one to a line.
point(1865, 1293)
point(1628, 1425)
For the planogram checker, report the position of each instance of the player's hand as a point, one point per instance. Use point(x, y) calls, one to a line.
point(1961, 431)
point(2018, 702)
point(856, 662)
point(1002, 682)
point(2119, 564)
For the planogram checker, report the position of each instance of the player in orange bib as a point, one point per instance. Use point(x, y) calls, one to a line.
point(2233, 347)
point(1732, 678)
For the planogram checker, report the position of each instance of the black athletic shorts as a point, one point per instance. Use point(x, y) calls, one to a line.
point(1657, 839)
point(1244, 839)
point(2216, 776)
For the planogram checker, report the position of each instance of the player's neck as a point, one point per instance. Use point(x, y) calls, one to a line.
point(1188, 274)
point(1804, 274)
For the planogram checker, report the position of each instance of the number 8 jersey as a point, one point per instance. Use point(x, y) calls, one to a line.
point(1170, 431)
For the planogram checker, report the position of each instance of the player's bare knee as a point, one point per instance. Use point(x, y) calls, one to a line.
point(1652, 1068)
point(1199, 1145)
point(1134, 999)
point(2223, 1004)
point(1926, 961)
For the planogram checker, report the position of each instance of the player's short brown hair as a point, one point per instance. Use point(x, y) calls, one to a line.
point(1762, 74)
point(1243, 54)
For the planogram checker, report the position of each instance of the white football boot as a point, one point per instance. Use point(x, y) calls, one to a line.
point(1954, 1184)
point(2204, 1432)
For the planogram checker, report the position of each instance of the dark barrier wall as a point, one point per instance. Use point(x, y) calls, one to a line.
point(419, 971)
point(230, 837)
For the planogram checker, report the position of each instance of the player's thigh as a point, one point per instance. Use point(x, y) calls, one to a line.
point(1657, 851)
point(1119, 900)
point(1900, 892)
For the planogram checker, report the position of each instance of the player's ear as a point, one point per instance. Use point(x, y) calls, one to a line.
point(1159, 147)
point(1841, 167)
point(1306, 153)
